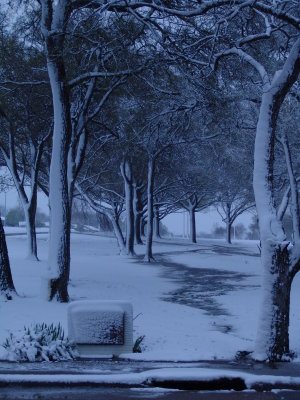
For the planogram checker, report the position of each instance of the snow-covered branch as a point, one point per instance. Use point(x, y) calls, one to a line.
point(105, 74)
point(248, 58)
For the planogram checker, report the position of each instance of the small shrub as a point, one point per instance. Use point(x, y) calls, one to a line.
point(137, 344)
point(40, 342)
point(243, 355)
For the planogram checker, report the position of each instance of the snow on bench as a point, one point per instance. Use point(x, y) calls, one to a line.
point(101, 327)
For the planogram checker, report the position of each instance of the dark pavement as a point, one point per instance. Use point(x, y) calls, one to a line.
point(91, 393)
point(167, 390)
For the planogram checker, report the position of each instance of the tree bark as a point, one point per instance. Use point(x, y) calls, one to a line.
point(228, 224)
point(118, 233)
point(30, 214)
point(192, 225)
point(150, 189)
point(156, 223)
point(142, 226)
point(60, 215)
point(7, 288)
point(126, 170)
point(137, 229)
point(137, 208)
point(273, 339)
point(228, 232)
point(294, 207)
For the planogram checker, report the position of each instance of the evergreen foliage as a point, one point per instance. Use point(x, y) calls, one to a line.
point(40, 342)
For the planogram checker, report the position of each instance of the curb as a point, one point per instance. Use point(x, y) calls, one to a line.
point(200, 379)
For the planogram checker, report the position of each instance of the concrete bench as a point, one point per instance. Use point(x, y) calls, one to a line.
point(101, 328)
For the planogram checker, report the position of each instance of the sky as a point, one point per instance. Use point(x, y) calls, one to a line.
point(206, 221)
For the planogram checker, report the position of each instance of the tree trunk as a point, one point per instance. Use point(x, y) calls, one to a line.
point(150, 187)
point(118, 233)
point(137, 208)
point(137, 229)
point(142, 226)
point(192, 225)
point(60, 216)
point(29, 203)
point(127, 176)
point(228, 224)
point(272, 341)
point(30, 214)
point(156, 223)
point(228, 232)
point(7, 288)
point(294, 206)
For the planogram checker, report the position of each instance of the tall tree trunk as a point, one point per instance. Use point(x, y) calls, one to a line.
point(273, 339)
point(156, 223)
point(192, 225)
point(60, 216)
point(7, 288)
point(294, 206)
point(128, 184)
point(142, 226)
point(118, 233)
point(29, 203)
point(228, 224)
point(150, 188)
point(137, 228)
point(228, 232)
point(114, 219)
point(30, 214)
point(273, 333)
point(137, 208)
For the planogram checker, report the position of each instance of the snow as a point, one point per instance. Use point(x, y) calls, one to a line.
point(107, 324)
point(39, 343)
point(224, 322)
point(16, 230)
point(155, 377)
point(93, 324)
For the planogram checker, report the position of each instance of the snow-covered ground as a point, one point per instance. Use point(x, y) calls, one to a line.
point(197, 302)
point(20, 230)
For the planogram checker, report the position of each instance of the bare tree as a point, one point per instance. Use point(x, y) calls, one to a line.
point(7, 288)
point(22, 171)
point(25, 126)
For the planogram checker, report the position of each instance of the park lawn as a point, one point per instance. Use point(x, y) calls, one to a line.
point(222, 281)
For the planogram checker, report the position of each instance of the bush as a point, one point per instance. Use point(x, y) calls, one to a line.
point(40, 342)
point(137, 348)
point(41, 219)
point(14, 216)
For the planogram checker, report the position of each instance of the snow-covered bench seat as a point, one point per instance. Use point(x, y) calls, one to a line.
point(101, 328)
